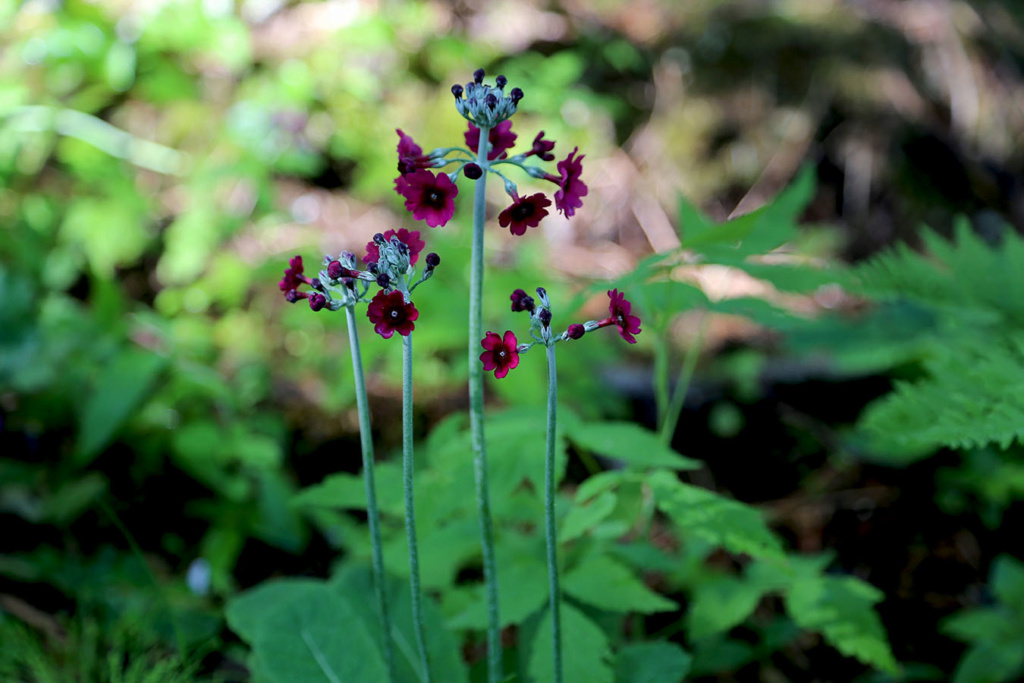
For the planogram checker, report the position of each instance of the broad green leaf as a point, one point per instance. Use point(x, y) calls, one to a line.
point(348, 491)
point(698, 512)
point(991, 663)
point(978, 625)
point(585, 651)
point(1008, 582)
point(604, 583)
point(655, 662)
point(584, 516)
point(841, 609)
point(630, 443)
point(522, 590)
point(720, 604)
point(304, 631)
point(355, 584)
point(120, 388)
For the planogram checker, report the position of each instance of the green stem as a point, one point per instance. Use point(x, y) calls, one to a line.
point(366, 441)
point(668, 426)
point(410, 509)
point(476, 416)
point(549, 518)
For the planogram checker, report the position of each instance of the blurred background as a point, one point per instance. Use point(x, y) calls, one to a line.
point(161, 161)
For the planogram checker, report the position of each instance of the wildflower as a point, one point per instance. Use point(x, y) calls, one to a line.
point(571, 188)
point(575, 331)
point(521, 301)
point(410, 159)
point(620, 309)
point(524, 213)
point(501, 138)
point(430, 197)
point(293, 276)
point(501, 353)
point(542, 148)
point(410, 238)
point(317, 301)
point(389, 313)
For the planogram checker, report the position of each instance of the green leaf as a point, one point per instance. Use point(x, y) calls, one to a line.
point(584, 516)
point(604, 583)
point(656, 662)
point(1008, 582)
point(585, 651)
point(355, 584)
point(304, 631)
point(841, 609)
point(120, 388)
point(73, 498)
point(978, 625)
point(522, 589)
point(991, 663)
point(630, 443)
point(720, 604)
point(737, 527)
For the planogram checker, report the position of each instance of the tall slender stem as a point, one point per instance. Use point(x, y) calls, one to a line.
point(366, 442)
point(476, 416)
point(549, 518)
point(408, 470)
point(675, 407)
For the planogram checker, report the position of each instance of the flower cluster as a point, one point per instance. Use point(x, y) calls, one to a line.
point(430, 196)
point(389, 260)
point(501, 353)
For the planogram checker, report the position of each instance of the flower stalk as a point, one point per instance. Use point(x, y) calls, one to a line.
point(476, 416)
point(373, 515)
point(408, 470)
point(549, 517)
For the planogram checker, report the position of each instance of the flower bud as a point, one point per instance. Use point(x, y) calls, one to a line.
point(335, 270)
point(317, 301)
point(372, 268)
point(491, 100)
point(575, 331)
point(315, 284)
point(378, 239)
point(501, 82)
point(545, 317)
point(457, 91)
point(472, 171)
point(516, 95)
point(478, 76)
point(291, 296)
point(383, 280)
point(433, 260)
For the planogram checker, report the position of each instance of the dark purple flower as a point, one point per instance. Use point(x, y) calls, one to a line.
point(430, 197)
point(317, 301)
point(501, 354)
point(389, 314)
point(524, 213)
point(542, 148)
point(472, 171)
point(410, 238)
point(501, 138)
point(575, 331)
point(293, 276)
point(570, 188)
point(433, 260)
point(620, 309)
point(521, 301)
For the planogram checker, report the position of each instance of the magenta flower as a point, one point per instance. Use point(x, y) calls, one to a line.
point(430, 197)
point(293, 276)
point(524, 213)
point(620, 309)
point(501, 138)
point(542, 148)
point(389, 313)
point(410, 238)
point(501, 354)
point(571, 188)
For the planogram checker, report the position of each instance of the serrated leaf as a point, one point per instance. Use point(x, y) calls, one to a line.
point(522, 590)
point(631, 444)
point(120, 388)
point(656, 662)
point(585, 650)
point(346, 491)
point(584, 516)
point(713, 518)
point(841, 609)
point(604, 583)
point(720, 604)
